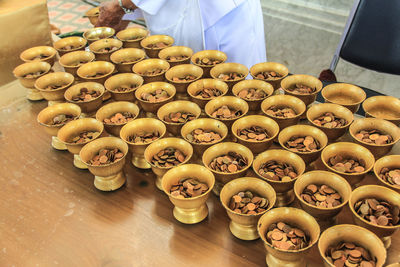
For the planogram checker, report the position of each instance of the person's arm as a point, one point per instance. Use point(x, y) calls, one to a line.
point(111, 14)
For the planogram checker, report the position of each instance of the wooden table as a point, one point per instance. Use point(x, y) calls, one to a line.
point(51, 214)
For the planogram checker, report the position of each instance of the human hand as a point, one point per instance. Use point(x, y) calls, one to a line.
point(111, 16)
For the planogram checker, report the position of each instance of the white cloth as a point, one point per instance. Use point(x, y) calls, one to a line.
point(233, 26)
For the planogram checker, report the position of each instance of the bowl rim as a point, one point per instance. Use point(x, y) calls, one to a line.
point(159, 102)
point(95, 28)
point(392, 98)
point(268, 94)
point(76, 144)
point(184, 66)
point(302, 95)
point(58, 125)
point(52, 49)
point(260, 117)
point(206, 144)
point(119, 46)
point(96, 62)
point(194, 105)
point(265, 63)
point(195, 55)
point(111, 163)
point(118, 35)
point(209, 98)
point(130, 62)
point(323, 91)
point(116, 103)
point(70, 38)
point(163, 71)
point(123, 92)
point(377, 175)
point(79, 51)
point(143, 144)
point(64, 87)
point(245, 110)
point(102, 91)
point(281, 96)
point(348, 123)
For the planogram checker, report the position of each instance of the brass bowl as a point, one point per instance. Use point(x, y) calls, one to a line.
point(110, 109)
point(47, 114)
point(230, 101)
point(175, 51)
point(21, 70)
point(189, 210)
point(122, 79)
point(131, 37)
point(86, 106)
point(284, 101)
point(268, 124)
point(254, 105)
point(352, 150)
point(283, 189)
point(77, 42)
point(182, 71)
point(139, 126)
point(221, 149)
point(108, 177)
point(297, 218)
point(92, 68)
point(153, 39)
point(55, 78)
point(270, 66)
point(177, 106)
point(198, 85)
point(326, 217)
point(205, 124)
point(378, 192)
point(318, 110)
point(304, 130)
point(29, 54)
point(210, 54)
point(227, 68)
point(161, 144)
point(344, 94)
point(150, 64)
point(244, 226)
point(151, 87)
point(391, 161)
point(381, 125)
point(74, 128)
point(383, 107)
point(72, 61)
point(307, 80)
point(354, 234)
point(134, 55)
point(98, 33)
point(93, 15)
point(96, 46)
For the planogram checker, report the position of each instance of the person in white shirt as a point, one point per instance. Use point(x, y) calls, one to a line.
point(233, 26)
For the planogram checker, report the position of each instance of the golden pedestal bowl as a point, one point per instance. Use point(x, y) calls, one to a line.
point(98, 33)
point(225, 68)
point(383, 107)
point(209, 54)
point(131, 80)
point(131, 37)
point(279, 68)
point(195, 87)
point(97, 46)
point(93, 15)
point(138, 126)
point(70, 44)
point(90, 106)
point(149, 107)
point(151, 64)
point(344, 94)
point(181, 71)
point(189, 210)
point(73, 60)
point(31, 54)
point(254, 105)
point(88, 70)
point(176, 51)
point(307, 80)
point(154, 39)
point(62, 79)
point(244, 226)
point(125, 58)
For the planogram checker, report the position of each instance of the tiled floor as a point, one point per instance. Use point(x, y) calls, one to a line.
point(68, 15)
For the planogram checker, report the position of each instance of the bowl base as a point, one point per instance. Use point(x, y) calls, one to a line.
point(57, 144)
point(34, 94)
point(110, 183)
point(244, 232)
point(275, 262)
point(140, 162)
point(191, 216)
point(79, 163)
point(159, 183)
point(284, 199)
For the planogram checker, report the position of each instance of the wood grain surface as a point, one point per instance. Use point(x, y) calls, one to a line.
point(51, 214)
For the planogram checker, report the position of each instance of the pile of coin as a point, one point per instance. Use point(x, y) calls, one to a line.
point(68, 47)
point(84, 137)
point(374, 137)
point(186, 78)
point(248, 203)
point(108, 49)
point(40, 57)
point(281, 112)
point(96, 75)
point(226, 113)
point(346, 254)
point(155, 96)
point(78, 63)
point(179, 117)
point(168, 157)
point(152, 72)
point(322, 196)
point(200, 136)
point(143, 137)
point(252, 94)
point(378, 211)
point(253, 133)
point(277, 171)
point(61, 119)
point(106, 156)
point(207, 61)
point(392, 176)
point(176, 58)
point(229, 163)
point(268, 75)
point(33, 74)
point(329, 120)
point(188, 187)
point(128, 60)
point(207, 93)
point(120, 118)
point(125, 87)
point(303, 144)
point(284, 236)
point(55, 86)
point(347, 165)
point(157, 45)
point(302, 89)
point(231, 76)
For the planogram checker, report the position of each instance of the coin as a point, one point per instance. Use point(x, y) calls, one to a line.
point(374, 136)
point(157, 45)
point(229, 163)
point(379, 212)
point(61, 119)
point(253, 133)
point(391, 175)
point(179, 117)
point(143, 137)
point(329, 120)
point(252, 94)
point(155, 96)
point(303, 143)
point(281, 112)
point(287, 237)
point(322, 196)
point(302, 89)
point(349, 254)
point(106, 156)
point(176, 58)
point(277, 171)
point(152, 72)
point(208, 93)
point(84, 137)
point(125, 87)
point(346, 165)
point(207, 61)
point(200, 136)
point(230, 76)
point(268, 75)
point(32, 75)
point(168, 157)
point(188, 187)
point(85, 95)
point(120, 118)
point(227, 113)
point(247, 202)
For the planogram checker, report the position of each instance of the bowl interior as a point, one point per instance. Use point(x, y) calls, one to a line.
point(47, 114)
point(76, 58)
point(391, 162)
point(30, 54)
point(284, 101)
point(209, 54)
point(110, 109)
point(132, 34)
point(268, 124)
point(177, 143)
point(205, 124)
point(142, 125)
point(153, 39)
point(75, 41)
point(343, 94)
point(76, 89)
point(150, 65)
point(307, 80)
point(255, 84)
point(383, 107)
point(269, 66)
point(176, 51)
point(230, 101)
point(224, 68)
point(97, 46)
point(123, 79)
point(127, 56)
point(98, 33)
point(178, 106)
point(62, 79)
point(340, 112)
point(92, 68)
point(74, 128)
point(303, 130)
point(198, 85)
point(183, 70)
point(152, 87)
point(31, 67)
point(92, 149)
